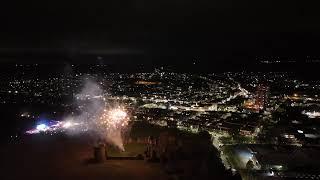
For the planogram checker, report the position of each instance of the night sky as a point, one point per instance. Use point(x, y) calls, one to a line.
point(209, 31)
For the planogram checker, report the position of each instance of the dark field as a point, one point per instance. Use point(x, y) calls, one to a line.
point(49, 157)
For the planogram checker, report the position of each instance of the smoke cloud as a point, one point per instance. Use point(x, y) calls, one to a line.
point(103, 120)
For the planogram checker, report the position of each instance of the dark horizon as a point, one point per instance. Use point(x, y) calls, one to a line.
point(212, 30)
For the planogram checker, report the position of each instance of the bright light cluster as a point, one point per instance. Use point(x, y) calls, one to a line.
point(313, 114)
point(114, 118)
point(46, 127)
point(110, 120)
point(52, 127)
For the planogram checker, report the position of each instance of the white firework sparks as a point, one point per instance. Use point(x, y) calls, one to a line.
point(114, 118)
point(115, 122)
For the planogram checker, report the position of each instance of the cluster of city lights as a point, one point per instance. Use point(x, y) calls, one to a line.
point(313, 114)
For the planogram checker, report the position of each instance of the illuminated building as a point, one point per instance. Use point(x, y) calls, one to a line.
point(261, 96)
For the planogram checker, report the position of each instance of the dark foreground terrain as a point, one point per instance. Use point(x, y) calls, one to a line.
point(56, 157)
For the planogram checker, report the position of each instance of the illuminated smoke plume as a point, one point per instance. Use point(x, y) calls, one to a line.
point(104, 120)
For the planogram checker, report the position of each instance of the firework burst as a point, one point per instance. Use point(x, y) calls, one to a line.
point(114, 121)
point(114, 118)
